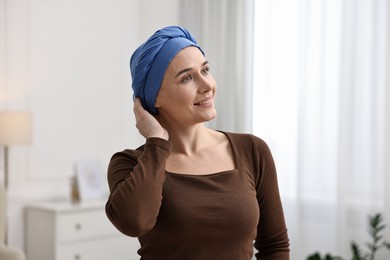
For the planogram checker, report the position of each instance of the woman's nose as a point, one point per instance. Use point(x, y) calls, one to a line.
point(206, 84)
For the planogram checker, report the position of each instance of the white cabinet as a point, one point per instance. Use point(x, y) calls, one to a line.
point(62, 231)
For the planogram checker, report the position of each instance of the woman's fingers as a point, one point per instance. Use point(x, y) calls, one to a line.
point(146, 123)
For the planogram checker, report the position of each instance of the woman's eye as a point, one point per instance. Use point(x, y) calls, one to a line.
point(186, 78)
point(205, 70)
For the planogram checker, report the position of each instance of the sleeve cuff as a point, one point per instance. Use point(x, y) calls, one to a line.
point(160, 142)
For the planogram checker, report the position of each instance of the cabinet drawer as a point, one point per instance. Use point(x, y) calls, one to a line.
point(118, 248)
point(75, 226)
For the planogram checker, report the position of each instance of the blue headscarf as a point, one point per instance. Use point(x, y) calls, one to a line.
point(150, 61)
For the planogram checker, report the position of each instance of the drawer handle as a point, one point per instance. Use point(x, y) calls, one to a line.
point(77, 257)
point(78, 226)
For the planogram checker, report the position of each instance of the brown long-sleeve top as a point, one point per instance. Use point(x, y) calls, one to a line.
point(187, 216)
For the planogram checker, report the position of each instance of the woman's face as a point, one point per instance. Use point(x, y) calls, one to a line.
point(186, 96)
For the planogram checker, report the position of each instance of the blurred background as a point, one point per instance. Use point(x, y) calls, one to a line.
point(310, 77)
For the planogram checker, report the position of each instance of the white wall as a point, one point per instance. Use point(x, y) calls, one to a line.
point(66, 61)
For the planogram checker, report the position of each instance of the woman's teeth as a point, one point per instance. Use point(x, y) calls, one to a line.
point(204, 102)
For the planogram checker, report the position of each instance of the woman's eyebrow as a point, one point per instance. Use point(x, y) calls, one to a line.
point(188, 69)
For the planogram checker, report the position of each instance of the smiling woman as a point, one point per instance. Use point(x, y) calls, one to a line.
point(191, 192)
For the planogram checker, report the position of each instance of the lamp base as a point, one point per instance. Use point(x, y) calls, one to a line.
point(5, 150)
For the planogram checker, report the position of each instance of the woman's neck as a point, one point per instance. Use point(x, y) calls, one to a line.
point(190, 140)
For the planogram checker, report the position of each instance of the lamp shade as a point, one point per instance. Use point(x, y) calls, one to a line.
point(15, 128)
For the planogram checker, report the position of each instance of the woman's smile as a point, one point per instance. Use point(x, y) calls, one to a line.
point(205, 103)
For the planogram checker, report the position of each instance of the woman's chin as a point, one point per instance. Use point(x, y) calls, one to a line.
point(211, 116)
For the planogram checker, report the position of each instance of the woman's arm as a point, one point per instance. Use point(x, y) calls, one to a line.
point(272, 239)
point(136, 179)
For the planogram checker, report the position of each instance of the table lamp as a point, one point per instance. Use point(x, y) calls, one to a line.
point(15, 129)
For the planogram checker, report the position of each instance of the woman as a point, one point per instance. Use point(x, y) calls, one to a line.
point(191, 192)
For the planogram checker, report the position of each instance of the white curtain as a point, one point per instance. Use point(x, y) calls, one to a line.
point(321, 100)
point(224, 29)
point(321, 86)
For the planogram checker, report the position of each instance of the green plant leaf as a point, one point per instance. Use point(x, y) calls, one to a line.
point(328, 257)
point(356, 253)
point(315, 256)
point(375, 228)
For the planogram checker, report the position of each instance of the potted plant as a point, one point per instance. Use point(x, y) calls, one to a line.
point(376, 227)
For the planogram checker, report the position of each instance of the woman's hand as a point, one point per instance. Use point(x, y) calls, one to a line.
point(146, 123)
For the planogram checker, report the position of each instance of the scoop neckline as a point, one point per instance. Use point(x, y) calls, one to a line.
point(201, 175)
point(234, 153)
